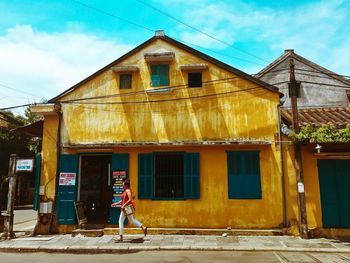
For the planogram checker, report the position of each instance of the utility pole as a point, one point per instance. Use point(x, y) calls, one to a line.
point(8, 222)
point(303, 227)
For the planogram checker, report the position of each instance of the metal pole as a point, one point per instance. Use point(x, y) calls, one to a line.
point(8, 217)
point(303, 227)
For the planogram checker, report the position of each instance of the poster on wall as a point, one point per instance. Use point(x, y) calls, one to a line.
point(67, 179)
point(118, 177)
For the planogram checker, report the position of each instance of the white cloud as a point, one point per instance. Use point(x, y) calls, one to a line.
point(319, 30)
point(45, 64)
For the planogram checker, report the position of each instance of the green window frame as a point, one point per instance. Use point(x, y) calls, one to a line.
point(159, 75)
point(147, 177)
point(125, 81)
point(243, 168)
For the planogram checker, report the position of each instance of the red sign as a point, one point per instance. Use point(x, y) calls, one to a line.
point(67, 179)
point(119, 173)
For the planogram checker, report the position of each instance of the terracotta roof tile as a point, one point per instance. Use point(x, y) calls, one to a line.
point(338, 116)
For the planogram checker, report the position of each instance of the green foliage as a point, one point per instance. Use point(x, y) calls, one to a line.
point(323, 134)
point(12, 142)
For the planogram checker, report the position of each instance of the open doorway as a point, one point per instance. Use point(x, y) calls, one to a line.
point(95, 190)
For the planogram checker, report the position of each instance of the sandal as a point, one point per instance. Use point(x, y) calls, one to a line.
point(144, 229)
point(118, 239)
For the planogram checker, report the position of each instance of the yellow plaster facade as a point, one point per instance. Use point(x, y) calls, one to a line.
point(227, 108)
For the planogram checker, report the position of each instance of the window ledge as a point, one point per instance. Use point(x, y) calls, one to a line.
point(165, 90)
point(159, 57)
point(126, 68)
point(198, 67)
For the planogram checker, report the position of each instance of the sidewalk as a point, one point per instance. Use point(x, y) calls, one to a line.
point(134, 243)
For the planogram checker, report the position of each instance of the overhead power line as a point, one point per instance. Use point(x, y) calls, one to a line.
point(111, 15)
point(152, 30)
point(18, 106)
point(199, 30)
point(219, 53)
point(18, 90)
point(331, 74)
point(176, 87)
point(311, 71)
point(168, 100)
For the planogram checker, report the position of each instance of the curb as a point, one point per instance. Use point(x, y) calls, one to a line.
point(135, 249)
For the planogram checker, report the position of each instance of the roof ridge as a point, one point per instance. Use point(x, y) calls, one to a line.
point(183, 46)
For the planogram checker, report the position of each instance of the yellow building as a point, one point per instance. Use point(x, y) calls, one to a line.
point(195, 136)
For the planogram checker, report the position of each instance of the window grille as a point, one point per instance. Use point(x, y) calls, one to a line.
point(169, 176)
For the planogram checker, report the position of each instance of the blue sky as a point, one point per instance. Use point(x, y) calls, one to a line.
point(48, 46)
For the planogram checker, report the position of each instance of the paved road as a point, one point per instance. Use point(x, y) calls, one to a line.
point(24, 219)
point(179, 257)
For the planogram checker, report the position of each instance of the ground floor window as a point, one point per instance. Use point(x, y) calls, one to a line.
point(172, 175)
point(169, 175)
point(243, 169)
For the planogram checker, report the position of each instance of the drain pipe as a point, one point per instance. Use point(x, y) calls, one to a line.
point(282, 167)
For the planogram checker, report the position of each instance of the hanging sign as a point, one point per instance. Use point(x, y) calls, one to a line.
point(24, 165)
point(67, 179)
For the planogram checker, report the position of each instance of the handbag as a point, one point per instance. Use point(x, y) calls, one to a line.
point(129, 210)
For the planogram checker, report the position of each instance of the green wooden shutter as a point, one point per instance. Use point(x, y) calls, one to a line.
point(155, 78)
point(146, 176)
point(244, 175)
point(120, 161)
point(164, 75)
point(37, 181)
point(343, 189)
point(191, 176)
point(328, 191)
point(67, 194)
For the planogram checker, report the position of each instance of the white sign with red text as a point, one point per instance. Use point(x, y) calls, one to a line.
point(67, 179)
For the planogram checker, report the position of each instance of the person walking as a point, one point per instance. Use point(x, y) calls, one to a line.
point(125, 202)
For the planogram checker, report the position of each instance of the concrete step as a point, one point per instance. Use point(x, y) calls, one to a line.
point(180, 231)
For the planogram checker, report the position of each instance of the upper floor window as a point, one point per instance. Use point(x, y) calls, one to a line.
point(125, 81)
point(194, 79)
point(159, 75)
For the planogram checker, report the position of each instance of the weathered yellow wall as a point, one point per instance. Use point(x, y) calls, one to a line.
point(240, 115)
point(244, 114)
point(214, 209)
point(311, 183)
point(49, 164)
point(313, 195)
point(312, 187)
point(291, 197)
point(49, 156)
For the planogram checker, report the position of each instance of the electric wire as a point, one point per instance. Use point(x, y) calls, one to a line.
point(168, 100)
point(311, 71)
point(149, 29)
point(198, 30)
point(18, 90)
point(219, 53)
point(173, 87)
point(111, 15)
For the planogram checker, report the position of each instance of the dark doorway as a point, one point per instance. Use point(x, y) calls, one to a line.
point(95, 189)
